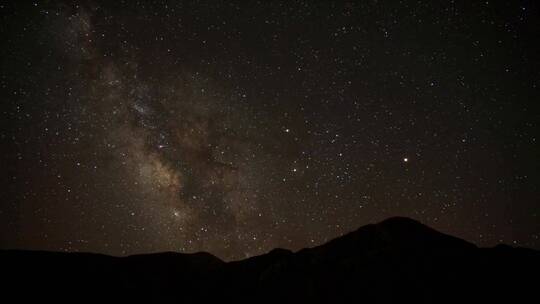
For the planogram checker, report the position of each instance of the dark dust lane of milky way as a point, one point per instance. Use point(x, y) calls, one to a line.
point(234, 128)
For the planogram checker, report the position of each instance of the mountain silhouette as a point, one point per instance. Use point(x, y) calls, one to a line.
point(397, 260)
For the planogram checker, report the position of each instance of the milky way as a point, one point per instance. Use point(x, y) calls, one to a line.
point(235, 128)
point(181, 143)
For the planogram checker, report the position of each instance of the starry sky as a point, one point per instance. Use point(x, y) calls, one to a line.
point(236, 127)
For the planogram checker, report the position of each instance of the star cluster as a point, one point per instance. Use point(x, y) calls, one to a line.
point(235, 127)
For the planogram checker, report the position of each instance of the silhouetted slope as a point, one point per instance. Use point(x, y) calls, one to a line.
point(397, 260)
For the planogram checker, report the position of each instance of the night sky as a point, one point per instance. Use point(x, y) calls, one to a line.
point(235, 127)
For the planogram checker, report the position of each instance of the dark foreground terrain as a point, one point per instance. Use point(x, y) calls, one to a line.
point(396, 261)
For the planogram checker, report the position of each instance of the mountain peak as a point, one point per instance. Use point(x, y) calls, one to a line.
point(392, 234)
point(404, 231)
point(400, 220)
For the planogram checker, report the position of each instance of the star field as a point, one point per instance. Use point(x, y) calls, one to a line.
point(235, 128)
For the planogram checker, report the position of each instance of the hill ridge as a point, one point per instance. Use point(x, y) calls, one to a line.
point(398, 259)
